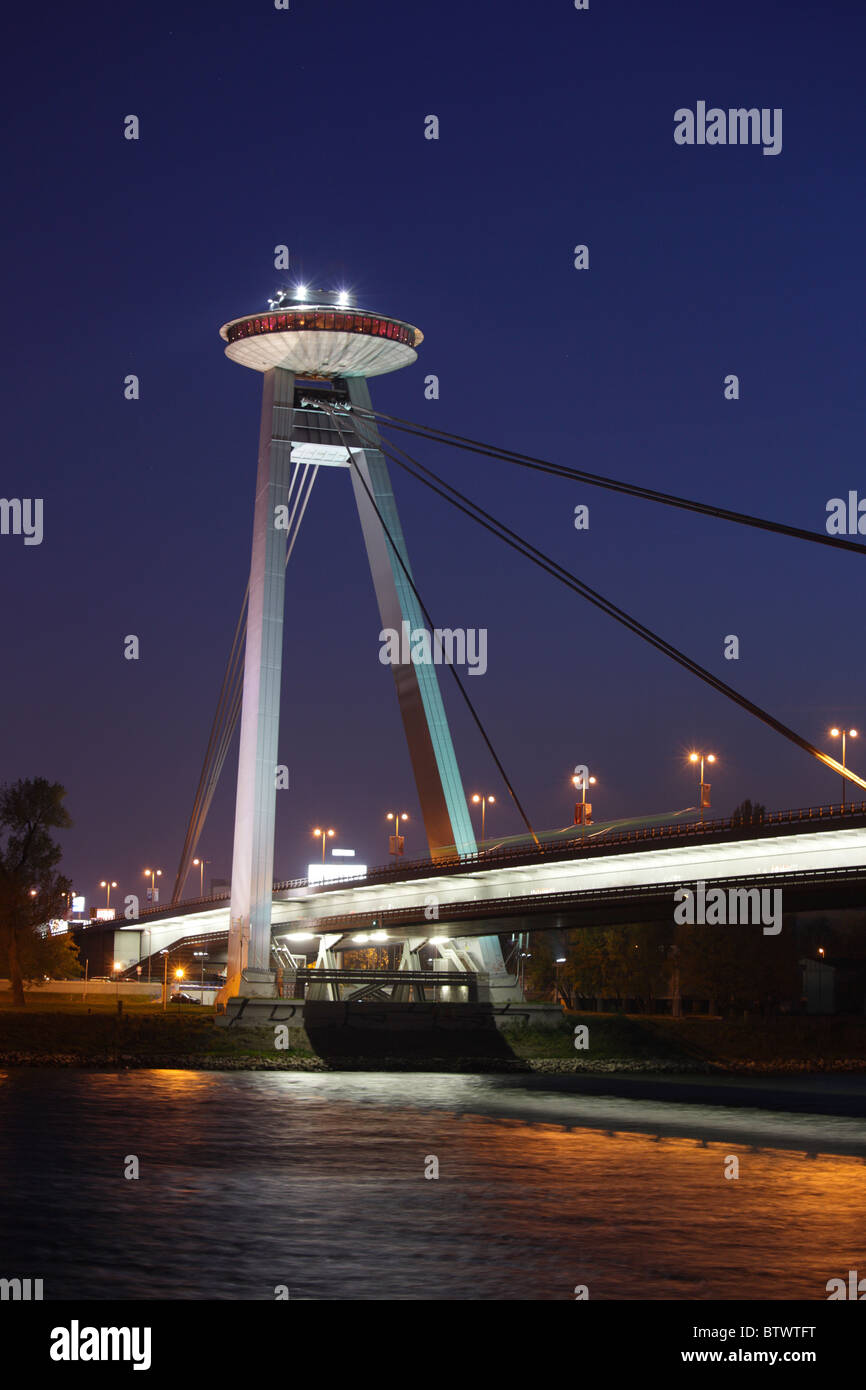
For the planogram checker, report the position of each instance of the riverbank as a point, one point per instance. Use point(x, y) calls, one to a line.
point(60, 1032)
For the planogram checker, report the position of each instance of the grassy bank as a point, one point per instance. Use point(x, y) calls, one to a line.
point(57, 1030)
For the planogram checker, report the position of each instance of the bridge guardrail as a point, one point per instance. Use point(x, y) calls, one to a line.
point(563, 849)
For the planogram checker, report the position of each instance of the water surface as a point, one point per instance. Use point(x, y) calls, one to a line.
point(249, 1180)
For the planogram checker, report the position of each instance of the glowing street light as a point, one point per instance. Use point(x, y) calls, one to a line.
point(579, 782)
point(705, 786)
point(325, 836)
point(483, 800)
point(107, 885)
point(200, 863)
point(844, 734)
point(395, 841)
point(153, 875)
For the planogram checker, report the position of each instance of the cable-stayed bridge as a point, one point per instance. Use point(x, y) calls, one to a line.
point(315, 352)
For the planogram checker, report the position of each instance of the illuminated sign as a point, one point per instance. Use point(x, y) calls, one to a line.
point(331, 873)
point(78, 904)
point(105, 914)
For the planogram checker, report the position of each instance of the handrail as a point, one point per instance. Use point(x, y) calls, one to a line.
point(554, 852)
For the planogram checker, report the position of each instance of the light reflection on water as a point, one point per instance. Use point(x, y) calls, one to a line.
point(316, 1181)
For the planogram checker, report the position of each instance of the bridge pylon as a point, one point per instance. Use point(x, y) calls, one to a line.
point(316, 352)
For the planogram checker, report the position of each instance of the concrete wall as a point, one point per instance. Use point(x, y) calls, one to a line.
point(124, 989)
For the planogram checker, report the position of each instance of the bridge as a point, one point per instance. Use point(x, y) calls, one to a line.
point(315, 353)
point(603, 876)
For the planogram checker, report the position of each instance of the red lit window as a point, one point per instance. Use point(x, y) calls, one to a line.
point(366, 326)
point(272, 322)
point(329, 320)
point(374, 323)
point(383, 329)
point(281, 320)
point(320, 320)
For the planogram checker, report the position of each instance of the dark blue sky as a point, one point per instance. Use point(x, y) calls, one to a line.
point(306, 127)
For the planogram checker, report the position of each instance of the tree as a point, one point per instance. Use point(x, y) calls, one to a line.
point(31, 890)
point(40, 954)
point(748, 813)
point(737, 966)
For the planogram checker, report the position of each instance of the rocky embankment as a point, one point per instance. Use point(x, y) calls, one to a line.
point(289, 1061)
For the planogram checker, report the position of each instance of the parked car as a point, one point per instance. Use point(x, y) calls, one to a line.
point(184, 999)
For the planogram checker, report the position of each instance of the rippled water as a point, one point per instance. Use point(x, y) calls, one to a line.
point(316, 1181)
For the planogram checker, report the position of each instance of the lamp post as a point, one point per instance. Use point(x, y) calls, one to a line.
point(395, 841)
point(200, 863)
point(844, 734)
point(325, 836)
point(580, 782)
point(164, 955)
point(203, 955)
point(483, 800)
point(705, 786)
point(108, 885)
point(153, 875)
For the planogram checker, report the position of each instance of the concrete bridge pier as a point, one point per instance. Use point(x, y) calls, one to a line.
point(483, 955)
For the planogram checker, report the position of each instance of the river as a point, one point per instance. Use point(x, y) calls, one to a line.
point(249, 1181)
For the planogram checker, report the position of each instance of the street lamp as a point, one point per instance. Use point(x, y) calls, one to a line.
point(325, 836)
point(395, 841)
point(705, 786)
point(844, 734)
point(108, 887)
point(580, 782)
point(203, 955)
point(153, 875)
point(200, 864)
point(483, 800)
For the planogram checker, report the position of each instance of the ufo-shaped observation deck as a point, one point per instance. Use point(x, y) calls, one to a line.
point(318, 340)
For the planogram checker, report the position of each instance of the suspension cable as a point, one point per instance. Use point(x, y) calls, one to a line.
point(460, 686)
point(231, 692)
point(562, 470)
point(518, 543)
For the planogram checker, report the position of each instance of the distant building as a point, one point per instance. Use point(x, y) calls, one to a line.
point(839, 988)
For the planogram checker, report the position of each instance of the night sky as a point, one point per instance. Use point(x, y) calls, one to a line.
point(261, 127)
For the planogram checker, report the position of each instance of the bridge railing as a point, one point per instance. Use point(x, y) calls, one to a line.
point(358, 985)
point(583, 843)
point(587, 843)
